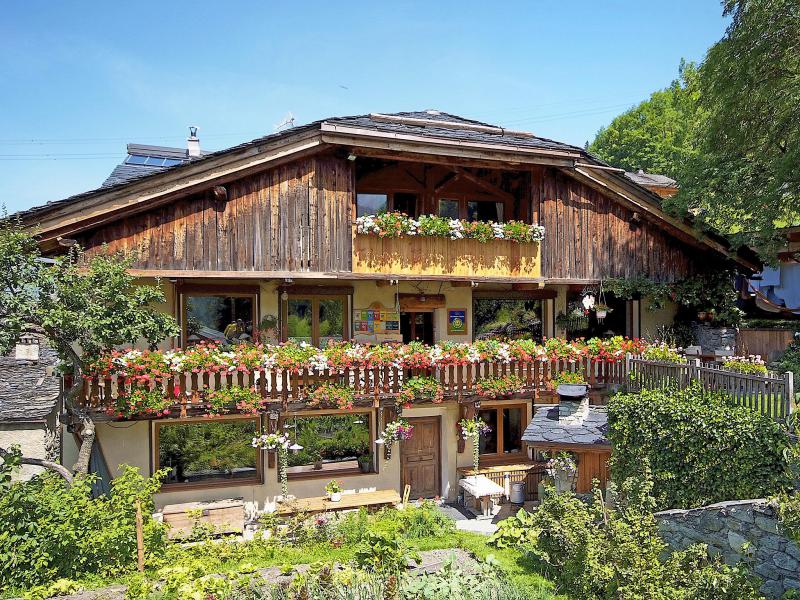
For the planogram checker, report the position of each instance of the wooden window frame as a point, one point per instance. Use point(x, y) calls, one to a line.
point(500, 456)
point(390, 193)
point(168, 487)
point(463, 199)
point(343, 472)
point(232, 291)
point(314, 298)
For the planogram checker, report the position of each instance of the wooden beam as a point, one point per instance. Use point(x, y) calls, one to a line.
point(485, 185)
point(459, 284)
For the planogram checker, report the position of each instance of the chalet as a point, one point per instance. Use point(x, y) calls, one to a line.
point(276, 239)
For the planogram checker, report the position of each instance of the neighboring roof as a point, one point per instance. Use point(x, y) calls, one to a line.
point(29, 390)
point(129, 170)
point(651, 179)
point(546, 429)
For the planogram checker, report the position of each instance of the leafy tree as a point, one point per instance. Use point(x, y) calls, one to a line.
point(744, 178)
point(657, 134)
point(83, 306)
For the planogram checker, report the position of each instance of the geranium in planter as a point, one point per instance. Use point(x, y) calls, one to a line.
point(141, 403)
point(276, 442)
point(222, 401)
point(499, 387)
point(422, 389)
point(332, 395)
point(473, 429)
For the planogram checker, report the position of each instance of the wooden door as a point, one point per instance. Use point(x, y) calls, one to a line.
point(420, 458)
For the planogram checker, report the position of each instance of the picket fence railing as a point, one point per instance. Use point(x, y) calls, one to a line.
point(771, 394)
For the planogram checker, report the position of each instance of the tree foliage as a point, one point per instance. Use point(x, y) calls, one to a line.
point(744, 179)
point(701, 447)
point(657, 134)
point(84, 306)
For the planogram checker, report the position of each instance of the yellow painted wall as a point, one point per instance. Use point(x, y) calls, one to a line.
point(653, 319)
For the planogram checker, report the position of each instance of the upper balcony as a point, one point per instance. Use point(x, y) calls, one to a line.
point(422, 255)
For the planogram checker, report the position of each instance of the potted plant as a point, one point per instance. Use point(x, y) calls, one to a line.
point(499, 387)
point(423, 389)
point(601, 310)
point(334, 490)
point(562, 469)
point(316, 456)
point(365, 463)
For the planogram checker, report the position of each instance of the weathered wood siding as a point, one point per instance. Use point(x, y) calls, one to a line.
point(295, 217)
point(590, 236)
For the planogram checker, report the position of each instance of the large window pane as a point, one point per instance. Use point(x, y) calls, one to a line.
point(488, 441)
point(330, 442)
point(485, 210)
point(208, 451)
point(299, 325)
point(371, 204)
point(449, 209)
point(218, 318)
point(512, 430)
point(331, 321)
point(507, 318)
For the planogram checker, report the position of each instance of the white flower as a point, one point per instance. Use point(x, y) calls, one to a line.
point(588, 301)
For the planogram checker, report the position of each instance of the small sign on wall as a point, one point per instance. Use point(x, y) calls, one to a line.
point(456, 321)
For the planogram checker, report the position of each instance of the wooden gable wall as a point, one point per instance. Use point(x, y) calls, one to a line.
point(295, 217)
point(590, 236)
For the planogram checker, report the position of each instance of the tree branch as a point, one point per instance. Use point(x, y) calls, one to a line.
point(38, 462)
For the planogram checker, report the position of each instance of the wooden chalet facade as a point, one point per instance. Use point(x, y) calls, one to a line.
point(263, 237)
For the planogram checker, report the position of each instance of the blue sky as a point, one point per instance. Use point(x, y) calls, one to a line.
point(81, 79)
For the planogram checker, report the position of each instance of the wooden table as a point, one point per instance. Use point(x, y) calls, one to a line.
point(483, 488)
point(318, 504)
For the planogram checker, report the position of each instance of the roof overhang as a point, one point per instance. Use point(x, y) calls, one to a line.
point(95, 208)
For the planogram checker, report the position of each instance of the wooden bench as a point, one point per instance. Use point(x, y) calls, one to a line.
point(318, 504)
point(226, 516)
point(482, 488)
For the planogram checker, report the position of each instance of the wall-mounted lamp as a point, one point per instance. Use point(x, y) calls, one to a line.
point(351, 157)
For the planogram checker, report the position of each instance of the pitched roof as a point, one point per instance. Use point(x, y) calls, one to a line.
point(143, 160)
point(547, 429)
point(650, 179)
point(29, 391)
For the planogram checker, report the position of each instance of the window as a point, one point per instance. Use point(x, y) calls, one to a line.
point(507, 423)
point(331, 443)
point(317, 320)
point(371, 204)
point(449, 209)
point(218, 316)
point(507, 318)
point(485, 210)
point(208, 451)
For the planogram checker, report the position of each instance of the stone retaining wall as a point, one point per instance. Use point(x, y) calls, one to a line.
point(741, 530)
point(714, 338)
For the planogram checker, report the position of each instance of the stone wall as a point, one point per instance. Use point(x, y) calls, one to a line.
point(742, 530)
point(714, 338)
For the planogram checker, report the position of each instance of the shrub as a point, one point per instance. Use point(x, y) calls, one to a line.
point(701, 447)
point(599, 553)
point(49, 530)
point(789, 360)
point(383, 553)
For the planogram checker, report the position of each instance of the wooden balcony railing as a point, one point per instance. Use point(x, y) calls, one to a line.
point(284, 389)
point(443, 256)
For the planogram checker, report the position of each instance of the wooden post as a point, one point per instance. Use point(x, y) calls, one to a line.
point(789, 387)
point(139, 537)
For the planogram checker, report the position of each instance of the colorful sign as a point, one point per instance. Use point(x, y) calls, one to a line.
point(457, 321)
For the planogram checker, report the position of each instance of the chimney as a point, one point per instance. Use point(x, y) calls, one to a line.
point(193, 143)
point(573, 403)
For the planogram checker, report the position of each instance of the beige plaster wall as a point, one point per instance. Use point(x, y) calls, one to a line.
point(30, 437)
point(651, 320)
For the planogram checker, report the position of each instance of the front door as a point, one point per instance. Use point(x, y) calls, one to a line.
point(420, 458)
point(417, 327)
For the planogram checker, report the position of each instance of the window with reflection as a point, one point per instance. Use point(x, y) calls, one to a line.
point(331, 442)
point(449, 208)
point(221, 318)
point(508, 424)
point(208, 451)
point(316, 320)
point(371, 204)
point(504, 318)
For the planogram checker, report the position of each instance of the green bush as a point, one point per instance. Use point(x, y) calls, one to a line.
point(49, 530)
point(597, 553)
point(701, 447)
point(789, 361)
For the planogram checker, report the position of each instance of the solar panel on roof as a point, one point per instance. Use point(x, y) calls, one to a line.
point(136, 159)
